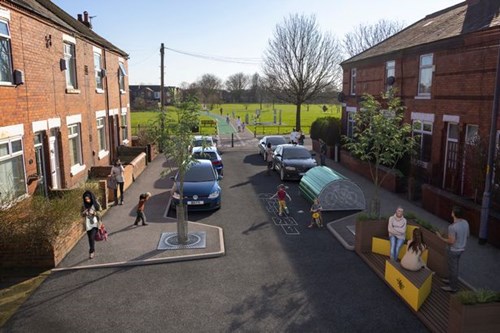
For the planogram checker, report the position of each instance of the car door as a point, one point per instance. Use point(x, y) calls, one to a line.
point(277, 158)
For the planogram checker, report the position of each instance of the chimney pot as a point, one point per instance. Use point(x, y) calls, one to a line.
point(79, 16)
point(85, 17)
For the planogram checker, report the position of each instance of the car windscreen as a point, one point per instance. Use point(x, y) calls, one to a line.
point(294, 153)
point(202, 142)
point(197, 173)
point(276, 141)
point(208, 155)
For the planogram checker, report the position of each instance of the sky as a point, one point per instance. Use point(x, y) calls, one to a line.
point(225, 36)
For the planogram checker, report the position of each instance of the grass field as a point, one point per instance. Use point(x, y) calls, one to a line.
point(267, 122)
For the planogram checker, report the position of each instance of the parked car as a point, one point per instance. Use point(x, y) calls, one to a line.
point(211, 154)
point(203, 141)
point(201, 187)
point(275, 140)
point(292, 161)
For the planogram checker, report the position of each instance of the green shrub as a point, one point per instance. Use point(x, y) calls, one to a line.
point(38, 220)
point(480, 296)
point(327, 129)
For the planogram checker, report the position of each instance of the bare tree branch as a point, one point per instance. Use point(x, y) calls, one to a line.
point(365, 36)
point(209, 86)
point(300, 61)
point(236, 84)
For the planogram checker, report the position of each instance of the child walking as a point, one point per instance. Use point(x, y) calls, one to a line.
point(316, 217)
point(140, 208)
point(282, 195)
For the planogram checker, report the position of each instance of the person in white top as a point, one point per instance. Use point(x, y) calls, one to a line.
point(117, 173)
point(397, 232)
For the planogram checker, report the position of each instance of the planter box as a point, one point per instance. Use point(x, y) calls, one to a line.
point(475, 318)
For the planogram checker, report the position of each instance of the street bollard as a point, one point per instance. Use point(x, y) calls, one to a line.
point(232, 140)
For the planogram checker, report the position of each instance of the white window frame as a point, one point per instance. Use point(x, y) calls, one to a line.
point(353, 81)
point(421, 131)
point(390, 70)
point(99, 84)
point(121, 76)
point(124, 126)
point(11, 154)
point(4, 19)
point(70, 59)
point(101, 137)
point(425, 68)
point(350, 112)
point(75, 122)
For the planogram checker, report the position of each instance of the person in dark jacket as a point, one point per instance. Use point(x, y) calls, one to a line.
point(90, 209)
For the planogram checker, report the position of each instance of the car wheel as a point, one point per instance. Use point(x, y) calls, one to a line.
point(282, 174)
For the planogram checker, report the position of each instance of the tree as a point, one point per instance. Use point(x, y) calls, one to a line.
point(176, 143)
point(236, 84)
point(256, 89)
point(300, 61)
point(365, 36)
point(209, 86)
point(380, 138)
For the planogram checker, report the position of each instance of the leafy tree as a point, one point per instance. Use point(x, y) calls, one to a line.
point(380, 138)
point(300, 61)
point(176, 141)
point(365, 36)
point(209, 87)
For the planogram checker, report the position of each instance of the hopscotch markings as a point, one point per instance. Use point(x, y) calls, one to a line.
point(287, 222)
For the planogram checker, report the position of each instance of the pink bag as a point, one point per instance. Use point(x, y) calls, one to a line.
point(102, 233)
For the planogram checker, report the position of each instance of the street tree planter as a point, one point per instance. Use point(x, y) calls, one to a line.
point(484, 317)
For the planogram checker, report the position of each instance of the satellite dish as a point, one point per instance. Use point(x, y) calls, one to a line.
point(390, 80)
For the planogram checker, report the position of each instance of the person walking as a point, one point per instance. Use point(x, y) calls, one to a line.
point(412, 260)
point(458, 232)
point(141, 216)
point(90, 209)
point(322, 152)
point(282, 195)
point(397, 232)
point(269, 157)
point(117, 173)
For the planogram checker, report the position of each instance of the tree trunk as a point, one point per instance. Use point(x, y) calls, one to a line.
point(297, 117)
point(375, 207)
point(182, 227)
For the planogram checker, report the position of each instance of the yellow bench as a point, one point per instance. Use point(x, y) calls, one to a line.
point(383, 245)
point(413, 287)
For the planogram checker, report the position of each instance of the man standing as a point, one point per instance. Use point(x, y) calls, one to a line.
point(458, 232)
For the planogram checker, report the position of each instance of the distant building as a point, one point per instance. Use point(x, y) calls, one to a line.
point(149, 96)
point(64, 105)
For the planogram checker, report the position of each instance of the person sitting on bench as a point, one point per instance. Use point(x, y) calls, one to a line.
point(412, 260)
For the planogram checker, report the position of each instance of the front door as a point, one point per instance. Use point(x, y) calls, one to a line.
point(40, 165)
point(55, 171)
point(450, 175)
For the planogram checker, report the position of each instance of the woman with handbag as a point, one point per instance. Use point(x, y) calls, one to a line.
point(90, 210)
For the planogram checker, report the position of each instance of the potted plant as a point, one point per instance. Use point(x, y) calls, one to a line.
point(474, 311)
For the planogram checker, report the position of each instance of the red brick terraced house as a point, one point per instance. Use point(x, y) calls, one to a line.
point(443, 67)
point(64, 106)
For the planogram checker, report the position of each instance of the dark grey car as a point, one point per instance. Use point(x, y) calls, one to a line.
point(292, 161)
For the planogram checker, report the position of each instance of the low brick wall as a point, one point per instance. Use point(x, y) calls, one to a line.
point(440, 203)
point(392, 182)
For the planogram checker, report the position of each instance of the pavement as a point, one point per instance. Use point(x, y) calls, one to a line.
point(138, 245)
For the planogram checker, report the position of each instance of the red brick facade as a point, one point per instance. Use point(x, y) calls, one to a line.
point(463, 84)
point(43, 105)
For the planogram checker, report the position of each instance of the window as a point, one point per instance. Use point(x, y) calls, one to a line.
point(425, 77)
point(121, 76)
point(390, 71)
point(97, 71)
point(69, 57)
point(75, 146)
point(423, 130)
point(353, 81)
point(5, 54)
point(124, 127)
point(101, 133)
point(12, 180)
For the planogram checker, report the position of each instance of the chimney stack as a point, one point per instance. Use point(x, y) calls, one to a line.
point(85, 19)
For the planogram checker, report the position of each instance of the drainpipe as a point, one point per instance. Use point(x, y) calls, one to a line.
point(485, 207)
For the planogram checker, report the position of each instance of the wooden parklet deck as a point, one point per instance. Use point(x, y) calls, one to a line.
point(434, 311)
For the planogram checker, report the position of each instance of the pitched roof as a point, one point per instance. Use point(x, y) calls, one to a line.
point(48, 10)
point(451, 22)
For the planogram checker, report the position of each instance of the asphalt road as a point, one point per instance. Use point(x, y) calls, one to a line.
point(272, 279)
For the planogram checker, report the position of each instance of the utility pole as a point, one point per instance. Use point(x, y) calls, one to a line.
point(485, 206)
point(162, 95)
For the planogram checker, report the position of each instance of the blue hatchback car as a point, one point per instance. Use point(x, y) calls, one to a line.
point(201, 187)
